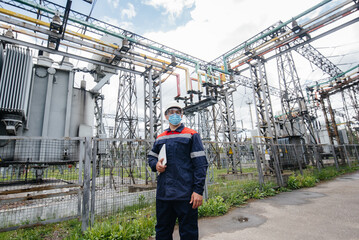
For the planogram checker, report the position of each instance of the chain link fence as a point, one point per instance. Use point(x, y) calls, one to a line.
point(46, 180)
point(39, 181)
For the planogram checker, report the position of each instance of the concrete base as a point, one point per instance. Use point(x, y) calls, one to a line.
point(273, 178)
point(243, 176)
point(141, 187)
point(252, 176)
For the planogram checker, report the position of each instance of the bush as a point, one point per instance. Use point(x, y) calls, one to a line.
point(138, 227)
point(299, 181)
point(213, 207)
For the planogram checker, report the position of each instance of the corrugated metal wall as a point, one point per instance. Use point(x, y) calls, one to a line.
point(15, 80)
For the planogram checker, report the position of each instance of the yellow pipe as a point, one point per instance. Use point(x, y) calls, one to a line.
point(168, 63)
point(222, 76)
point(31, 34)
point(208, 75)
point(157, 69)
point(82, 36)
point(183, 68)
point(42, 23)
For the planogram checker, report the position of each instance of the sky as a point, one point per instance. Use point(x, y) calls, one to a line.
point(207, 29)
point(204, 28)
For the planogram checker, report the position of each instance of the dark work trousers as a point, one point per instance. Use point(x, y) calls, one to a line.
point(168, 211)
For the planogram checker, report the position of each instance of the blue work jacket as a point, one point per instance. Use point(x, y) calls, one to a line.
point(186, 164)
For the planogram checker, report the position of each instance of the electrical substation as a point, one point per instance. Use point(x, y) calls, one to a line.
point(59, 157)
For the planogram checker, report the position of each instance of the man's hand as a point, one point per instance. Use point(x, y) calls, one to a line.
point(196, 200)
point(160, 167)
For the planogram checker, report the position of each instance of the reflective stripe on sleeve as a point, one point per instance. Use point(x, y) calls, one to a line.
point(198, 154)
point(185, 135)
point(153, 154)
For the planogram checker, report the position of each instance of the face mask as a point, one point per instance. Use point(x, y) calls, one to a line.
point(174, 119)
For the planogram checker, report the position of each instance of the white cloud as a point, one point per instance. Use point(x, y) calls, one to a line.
point(173, 8)
point(218, 26)
point(130, 12)
point(114, 21)
point(114, 3)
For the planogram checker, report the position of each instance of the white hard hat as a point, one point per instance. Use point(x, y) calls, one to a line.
point(173, 104)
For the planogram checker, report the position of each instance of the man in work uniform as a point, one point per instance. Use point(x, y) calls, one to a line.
point(181, 180)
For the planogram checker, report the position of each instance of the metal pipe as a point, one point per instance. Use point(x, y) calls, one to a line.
point(42, 23)
point(272, 31)
point(338, 76)
point(168, 63)
point(16, 41)
point(42, 8)
point(68, 104)
point(326, 13)
point(84, 49)
point(178, 85)
point(298, 45)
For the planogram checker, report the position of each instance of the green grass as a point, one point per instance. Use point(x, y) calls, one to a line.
point(140, 225)
point(137, 222)
point(69, 230)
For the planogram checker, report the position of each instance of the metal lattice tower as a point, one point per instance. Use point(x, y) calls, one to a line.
point(229, 128)
point(294, 106)
point(310, 53)
point(153, 117)
point(126, 120)
point(318, 59)
point(215, 129)
point(353, 93)
point(265, 118)
point(341, 85)
point(190, 121)
point(203, 124)
point(205, 133)
point(331, 124)
point(153, 105)
point(345, 94)
point(292, 97)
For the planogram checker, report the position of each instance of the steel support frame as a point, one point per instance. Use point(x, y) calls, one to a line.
point(293, 101)
point(126, 120)
point(153, 116)
point(100, 127)
point(265, 118)
point(229, 129)
point(204, 124)
point(331, 125)
point(191, 120)
point(215, 128)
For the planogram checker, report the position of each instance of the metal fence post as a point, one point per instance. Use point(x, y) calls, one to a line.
point(335, 157)
point(276, 165)
point(298, 160)
point(86, 185)
point(205, 192)
point(356, 152)
point(81, 163)
point(317, 157)
point(346, 155)
point(93, 185)
point(259, 165)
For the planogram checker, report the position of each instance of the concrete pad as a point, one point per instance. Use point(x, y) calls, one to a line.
point(327, 211)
